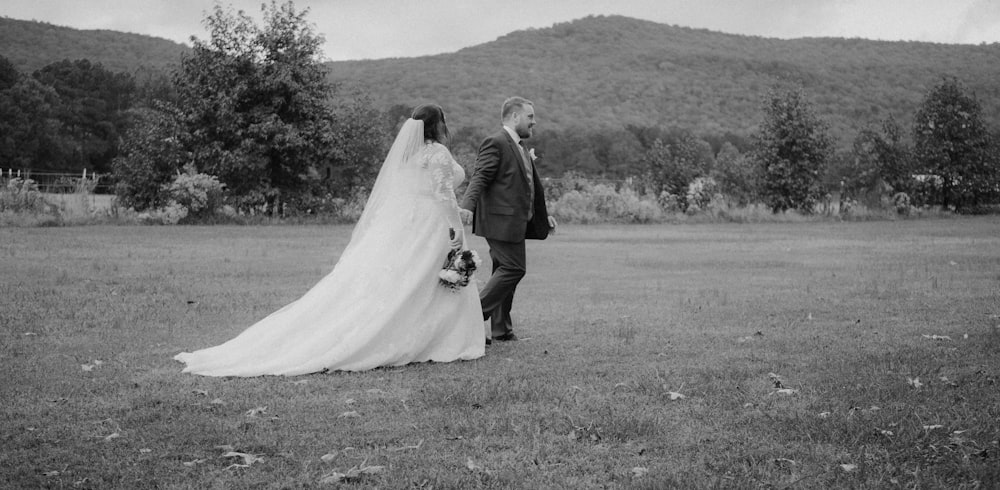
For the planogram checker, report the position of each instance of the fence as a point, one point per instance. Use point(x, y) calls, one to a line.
point(62, 182)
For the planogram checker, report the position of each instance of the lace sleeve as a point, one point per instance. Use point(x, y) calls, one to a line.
point(439, 164)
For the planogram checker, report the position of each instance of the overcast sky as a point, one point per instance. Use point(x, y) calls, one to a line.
point(359, 29)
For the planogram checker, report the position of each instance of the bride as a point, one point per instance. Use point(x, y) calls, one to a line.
point(382, 304)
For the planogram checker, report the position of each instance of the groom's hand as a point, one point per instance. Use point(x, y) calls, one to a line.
point(465, 214)
point(552, 223)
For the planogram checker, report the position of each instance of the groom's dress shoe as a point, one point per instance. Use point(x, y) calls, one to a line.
point(507, 337)
point(489, 341)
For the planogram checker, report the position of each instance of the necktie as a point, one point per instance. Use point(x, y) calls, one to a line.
point(527, 158)
point(528, 175)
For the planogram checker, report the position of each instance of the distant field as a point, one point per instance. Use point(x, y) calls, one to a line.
point(844, 355)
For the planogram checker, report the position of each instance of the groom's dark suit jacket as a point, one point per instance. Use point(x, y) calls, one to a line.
point(499, 196)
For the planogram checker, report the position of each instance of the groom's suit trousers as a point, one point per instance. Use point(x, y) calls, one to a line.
point(497, 297)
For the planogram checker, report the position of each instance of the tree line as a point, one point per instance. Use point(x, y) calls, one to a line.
point(250, 119)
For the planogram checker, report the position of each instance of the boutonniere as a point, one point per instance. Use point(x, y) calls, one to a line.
point(531, 154)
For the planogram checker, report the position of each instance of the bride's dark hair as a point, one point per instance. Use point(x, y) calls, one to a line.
point(435, 127)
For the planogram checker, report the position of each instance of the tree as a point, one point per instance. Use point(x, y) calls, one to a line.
point(8, 74)
point(880, 162)
point(150, 155)
point(951, 143)
point(93, 101)
point(790, 150)
point(734, 173)
point(30, 131)
point(255, 103)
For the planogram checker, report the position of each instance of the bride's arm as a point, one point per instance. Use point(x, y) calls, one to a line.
point(442, 185)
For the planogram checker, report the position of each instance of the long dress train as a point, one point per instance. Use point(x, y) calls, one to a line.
point(381, 305)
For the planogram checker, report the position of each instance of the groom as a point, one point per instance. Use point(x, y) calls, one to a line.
point(506, 205)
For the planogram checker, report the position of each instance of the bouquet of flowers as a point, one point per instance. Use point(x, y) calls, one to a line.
point(458, 266)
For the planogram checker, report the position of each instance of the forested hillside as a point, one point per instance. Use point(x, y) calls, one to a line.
point(32, 45)
point(616, 71)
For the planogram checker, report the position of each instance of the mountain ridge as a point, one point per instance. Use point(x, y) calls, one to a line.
point(605, 72)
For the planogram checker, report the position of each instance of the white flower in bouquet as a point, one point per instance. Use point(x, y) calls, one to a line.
point(531, 154)
point(450, 276)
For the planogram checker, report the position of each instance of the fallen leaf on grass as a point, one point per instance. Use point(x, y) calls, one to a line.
point(193, 463)
point(248, 459)
point(471, 465)
point(349, 415)
point(326, 458)
point(784, 460)
point(848, 467)
point(113, 435)
point(405, 448)
point(29, 334)
point(200, 392)
point(786, 391)
point(639, 472)
point(332, 478)
point(932, 427)
point(675, 396)
point(914, 382)
point(885, 432)
point(947, 381)
point(253, 412)
point(352, 474)
point(145, 450)
point(349, 401)
point(87, 367)
point(823, 415)
point(937, 337)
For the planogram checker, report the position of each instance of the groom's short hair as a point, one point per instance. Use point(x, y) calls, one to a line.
point(512, 104)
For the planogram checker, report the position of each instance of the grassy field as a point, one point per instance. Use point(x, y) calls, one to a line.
point(844, 355)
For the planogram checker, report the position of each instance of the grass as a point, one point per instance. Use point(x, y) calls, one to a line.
point(617, 321)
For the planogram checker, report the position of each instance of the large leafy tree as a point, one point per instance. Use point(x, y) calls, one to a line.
point(255, 102)
point(30, 130)
point(734, 173)
point(880, 161)
point(151, 154)
point(951, 143)
point(670, 167)
point(790, 150)
point(93, 101)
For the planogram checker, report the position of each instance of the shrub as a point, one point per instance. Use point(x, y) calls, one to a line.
point(901, 201)
point(602, 203)
point(200, 194)
point(700, 192)
point(22, 196)
point(171, 214)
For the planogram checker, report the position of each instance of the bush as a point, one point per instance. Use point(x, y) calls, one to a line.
point(602, 203)
point(171, 214)
point(22, 196)
point(200, 194)
point(700, 192)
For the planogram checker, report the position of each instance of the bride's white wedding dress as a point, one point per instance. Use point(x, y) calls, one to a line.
point(381, 305)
